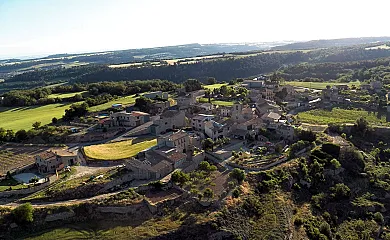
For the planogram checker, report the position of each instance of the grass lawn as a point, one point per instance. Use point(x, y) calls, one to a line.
point(24, 117)
point(212, 86)
point(6, 184)
point(122, 100)
point(319, 85)
point(216, 102)
point(338, 115)
point(65, 95)
point(118, 150)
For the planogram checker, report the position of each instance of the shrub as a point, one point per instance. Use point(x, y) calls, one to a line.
point(23, 213)
point(237, 174)
point(236, 192)
point(208, 193)
point(180, 177)
point(340, 191)
point(378, 217)
point(298, 221)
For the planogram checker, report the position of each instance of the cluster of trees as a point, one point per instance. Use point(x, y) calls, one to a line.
point(45, 133)
point(99, 93)
point(339, 71)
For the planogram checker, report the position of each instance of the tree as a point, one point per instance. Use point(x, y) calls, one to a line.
point(143, 104)
point(36, 125)
point(208, 193)
point(208, 144)
point(206, 166)
point(236, 192)
point(340, 191)
point(211, 80)
point(10, 135)
point(237, 174)
point(180, 177)
point(76, 110)
point(192, 85)
point(54, 120)
point(3, 133)
point(362, 125)
point(335, 164)
point(23, 213)
point(21, 135)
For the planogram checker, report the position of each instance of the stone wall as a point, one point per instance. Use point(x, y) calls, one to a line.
point(29, 190)
point(24, 191)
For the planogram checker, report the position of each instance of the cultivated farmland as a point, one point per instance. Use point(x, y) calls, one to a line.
point(24, 117)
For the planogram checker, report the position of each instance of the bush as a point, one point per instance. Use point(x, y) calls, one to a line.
point(340, 191)
point(236, 192)
point(180, 177)
point(23, 213)
point(298, 221)
point(378, 217)
point(237, 174)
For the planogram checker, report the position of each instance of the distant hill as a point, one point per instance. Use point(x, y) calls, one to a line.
point(327, 43)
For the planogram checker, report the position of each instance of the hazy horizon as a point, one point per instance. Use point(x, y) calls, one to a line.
point(43, 27)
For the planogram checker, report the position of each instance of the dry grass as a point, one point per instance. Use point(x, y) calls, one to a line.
point(118, 150)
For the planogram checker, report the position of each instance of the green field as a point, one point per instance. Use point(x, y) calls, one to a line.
point(6, 184)
point(24, 117)
point(338, 115)
point(65, 95)
point(216, 102)
point(118, 150)
point(319, 85)
point(122, 100)
point(212, 86)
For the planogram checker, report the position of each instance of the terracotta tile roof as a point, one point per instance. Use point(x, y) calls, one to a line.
point(48, 155)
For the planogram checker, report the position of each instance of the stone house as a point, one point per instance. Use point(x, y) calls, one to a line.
point(169, 120)
point(199, 120)
point(52, 160)
point(156, 163)
point(131, 119)
point(215, 130)
point(179, 140)
point(224, 111)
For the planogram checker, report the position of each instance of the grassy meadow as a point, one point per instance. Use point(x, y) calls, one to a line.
point(122, 100)
point(216, 102)
point(338, 115)
point(65, 95)
point(24, 117)
point(118, 150)
point(318, 85)
point(212, 86)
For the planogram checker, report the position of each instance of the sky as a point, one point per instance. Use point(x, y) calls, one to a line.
point(41, 27)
